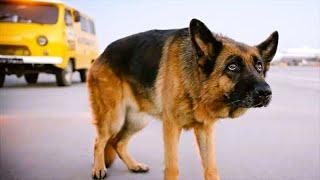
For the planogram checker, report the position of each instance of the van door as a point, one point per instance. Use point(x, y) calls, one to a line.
point(70, 34)
point(81, 44)
point(93, 41)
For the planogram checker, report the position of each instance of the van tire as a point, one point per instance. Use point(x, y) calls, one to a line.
point(2, 77)
point(31, 78)
point(83, 75)
point(64, 76)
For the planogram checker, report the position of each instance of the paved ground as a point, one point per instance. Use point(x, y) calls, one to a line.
point(46, 133)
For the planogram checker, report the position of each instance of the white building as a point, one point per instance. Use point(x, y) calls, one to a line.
point(299, 56)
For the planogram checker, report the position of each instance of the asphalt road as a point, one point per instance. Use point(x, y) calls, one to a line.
point(45, 133)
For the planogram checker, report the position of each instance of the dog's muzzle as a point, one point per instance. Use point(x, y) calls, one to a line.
point(259, 96)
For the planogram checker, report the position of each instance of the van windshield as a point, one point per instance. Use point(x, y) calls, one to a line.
point(28, 13)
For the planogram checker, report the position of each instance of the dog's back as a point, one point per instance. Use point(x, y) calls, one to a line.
point(136, 58)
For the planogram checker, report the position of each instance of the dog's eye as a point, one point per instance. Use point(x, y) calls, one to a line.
point(259, 67)
point(233, 67)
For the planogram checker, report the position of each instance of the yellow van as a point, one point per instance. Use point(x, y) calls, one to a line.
point(45, 36)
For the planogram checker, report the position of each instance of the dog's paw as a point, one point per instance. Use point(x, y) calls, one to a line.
point(211, 176)
point(99, 173)
point(139, 168)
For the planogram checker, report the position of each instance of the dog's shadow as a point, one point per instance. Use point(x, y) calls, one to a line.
point(43, 82)
point(38, 85)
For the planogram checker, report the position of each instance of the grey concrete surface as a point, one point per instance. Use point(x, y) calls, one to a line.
point(45, 133)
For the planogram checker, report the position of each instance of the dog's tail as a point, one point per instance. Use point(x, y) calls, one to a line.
point(109, 153)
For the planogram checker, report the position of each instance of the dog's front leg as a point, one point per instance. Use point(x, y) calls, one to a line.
point(171, 134)
point(204, 136)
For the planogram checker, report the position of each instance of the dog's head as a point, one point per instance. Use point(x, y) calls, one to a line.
point(233, 71)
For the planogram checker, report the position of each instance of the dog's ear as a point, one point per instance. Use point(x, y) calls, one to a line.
point(203, 40)
point(268, 47)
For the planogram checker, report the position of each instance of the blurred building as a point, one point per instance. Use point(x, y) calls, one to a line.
point(298, 57)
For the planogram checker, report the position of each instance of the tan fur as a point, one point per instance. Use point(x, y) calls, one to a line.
point(113, 104)
point(109, 154)
point(206, 148)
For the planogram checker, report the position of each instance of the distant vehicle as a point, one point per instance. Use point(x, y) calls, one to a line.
point(45, 36)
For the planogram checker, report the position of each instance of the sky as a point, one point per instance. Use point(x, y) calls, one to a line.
point(248, 21)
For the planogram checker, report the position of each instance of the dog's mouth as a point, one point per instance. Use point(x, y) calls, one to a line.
point(249, 101)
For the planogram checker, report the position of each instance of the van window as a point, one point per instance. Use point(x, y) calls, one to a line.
point(20, 12)
point(87, 25)
point(84, 24)
point(68, 17)
point(92, 29)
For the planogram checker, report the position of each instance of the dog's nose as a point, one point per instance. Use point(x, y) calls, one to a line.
point(262, 90)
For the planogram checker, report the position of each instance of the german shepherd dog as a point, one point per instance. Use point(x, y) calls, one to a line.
point(188, 78)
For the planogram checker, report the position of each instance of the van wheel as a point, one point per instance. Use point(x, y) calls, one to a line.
point(64, 76)
point(31, 78)
point(83, 75)
point(2, 77)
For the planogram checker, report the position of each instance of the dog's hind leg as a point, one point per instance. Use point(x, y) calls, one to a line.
point(108, 126)
point(98, 170)
point(135, 121)
point(105, 93)
point(109, 153)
